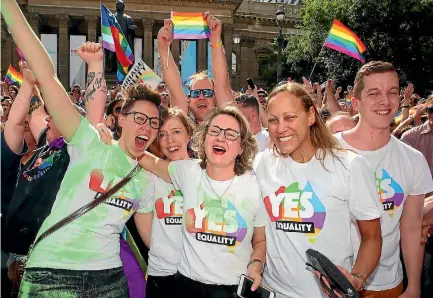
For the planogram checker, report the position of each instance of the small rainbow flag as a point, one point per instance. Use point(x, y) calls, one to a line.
point(13, 76)
point(114, 41)
point(189, 25)
point(343, 40)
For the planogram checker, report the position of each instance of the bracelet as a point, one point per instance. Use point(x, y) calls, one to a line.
point(216, 45)
point(361, 277)
point(257, 261)
point(406, 106)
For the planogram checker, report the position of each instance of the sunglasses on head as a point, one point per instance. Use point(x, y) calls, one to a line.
point(207, 93)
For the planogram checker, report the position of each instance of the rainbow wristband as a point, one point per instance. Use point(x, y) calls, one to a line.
point(216, 45)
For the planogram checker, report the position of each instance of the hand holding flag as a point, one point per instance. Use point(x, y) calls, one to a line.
point(190, 25)
point(214, 25)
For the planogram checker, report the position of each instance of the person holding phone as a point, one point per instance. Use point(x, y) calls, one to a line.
point(312, 188)
point(223, 213)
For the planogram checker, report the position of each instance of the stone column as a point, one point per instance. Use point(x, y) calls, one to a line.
point(63, 40)
point(228, 46)
point(201, 54)
point(91, 28)
point(6, 57)
point(148, 41)
point(175, 51)
point(247, 58)
point(34, 22)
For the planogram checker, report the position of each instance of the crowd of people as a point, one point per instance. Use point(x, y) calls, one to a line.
point(212, 184)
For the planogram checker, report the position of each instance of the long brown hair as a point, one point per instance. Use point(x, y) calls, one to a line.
point(244, 162)
point(321, 137)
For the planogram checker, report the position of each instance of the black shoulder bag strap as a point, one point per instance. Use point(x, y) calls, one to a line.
point(86, 208)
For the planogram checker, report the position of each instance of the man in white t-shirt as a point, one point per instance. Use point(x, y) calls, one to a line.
point(402, 175)
point(249, 106)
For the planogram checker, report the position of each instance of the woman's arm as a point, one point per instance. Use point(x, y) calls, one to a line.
point(66, 118)
point(155, 165)
point(171, 73)
point(223, 91)
point(14, 129)
point(255, 268)
point(369, 251)
point(143, 222)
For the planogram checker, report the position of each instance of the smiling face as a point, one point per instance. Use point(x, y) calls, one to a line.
point(379, 100)
point(201, 106)
point(220, 151)
point(137, 137)
point(173, 139)
point(289, 123)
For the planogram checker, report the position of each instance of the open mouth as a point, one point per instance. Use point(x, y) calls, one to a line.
point(218, 150)
point(383, 112)
point(140, 141)
point(173, 149)
point(286, 139)
point(202, 106)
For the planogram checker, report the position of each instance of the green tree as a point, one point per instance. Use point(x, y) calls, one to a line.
point(397, 31)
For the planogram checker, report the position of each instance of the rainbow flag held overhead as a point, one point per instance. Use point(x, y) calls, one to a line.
point(114, 40)
point(189, 25)
point(13, 76)
point(344, 40)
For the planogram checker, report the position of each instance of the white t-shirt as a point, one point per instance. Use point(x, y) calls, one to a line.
point(92, 241)
point(310, 206)
point(217, 246)
point(262, 139)
point(400, 171)
point(166, 237)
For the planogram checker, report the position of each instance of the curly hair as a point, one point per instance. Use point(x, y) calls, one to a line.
point(244, 161)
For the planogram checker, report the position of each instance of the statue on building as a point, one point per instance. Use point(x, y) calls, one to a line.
point(128, 27)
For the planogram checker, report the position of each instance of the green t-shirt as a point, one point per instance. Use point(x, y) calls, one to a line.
point(91, 242)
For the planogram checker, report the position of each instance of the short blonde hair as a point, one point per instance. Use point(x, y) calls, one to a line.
point(244, 163)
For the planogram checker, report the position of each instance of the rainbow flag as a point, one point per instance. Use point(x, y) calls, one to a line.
point(189, 25)
point(343, 40)
point(114, 40)
point(13, 76)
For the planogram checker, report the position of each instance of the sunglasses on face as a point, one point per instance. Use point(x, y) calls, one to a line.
point(229, 134)
point(207, 93)
point(141, 119)
point(430, 110)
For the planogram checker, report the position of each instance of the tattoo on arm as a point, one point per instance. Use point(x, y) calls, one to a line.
point(35, 103)
point(95, 82)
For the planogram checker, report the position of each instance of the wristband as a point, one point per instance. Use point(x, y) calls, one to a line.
point(257, 261)
point(406, 106)
point(361, 277)
point(216, 45)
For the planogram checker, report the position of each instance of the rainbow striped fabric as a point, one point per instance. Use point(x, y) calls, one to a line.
point(13, 76)
point(114, 41)
point(344, 40)
point(189, 25)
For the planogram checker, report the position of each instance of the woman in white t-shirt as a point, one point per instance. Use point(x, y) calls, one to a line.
point(311, 190)
point(223, 215)
point(163, 233)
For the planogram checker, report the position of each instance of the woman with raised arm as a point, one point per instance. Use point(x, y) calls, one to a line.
point(311, 190)
point(205, 93)
point(223, 214)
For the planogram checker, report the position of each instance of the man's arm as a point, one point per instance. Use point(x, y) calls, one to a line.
point(223, 91)
point(171, 73)
point(369, 251)
point(413, 251)
point(66, 118)
point(143, 222)
point(14, 129)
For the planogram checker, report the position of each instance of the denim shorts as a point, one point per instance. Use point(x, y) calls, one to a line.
point(43, 282)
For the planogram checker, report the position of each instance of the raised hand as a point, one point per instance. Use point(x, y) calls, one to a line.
point(165, 36)
point(214, 24)
point(91, 52)
point(27, 73)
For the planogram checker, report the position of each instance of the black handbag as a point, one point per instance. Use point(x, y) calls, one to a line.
point(337, 281)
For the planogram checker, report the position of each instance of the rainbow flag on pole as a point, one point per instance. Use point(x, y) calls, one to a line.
point(114, 41)
point(344, 40)
point(189, 25)
point(13, 76)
